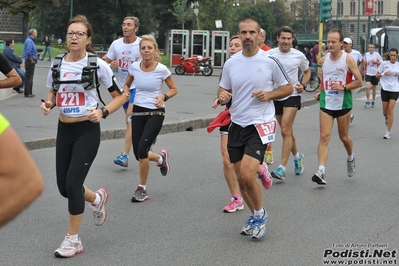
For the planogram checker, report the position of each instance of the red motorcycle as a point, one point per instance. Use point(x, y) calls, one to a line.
point(194, 65)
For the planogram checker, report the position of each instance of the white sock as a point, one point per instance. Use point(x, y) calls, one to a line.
point(97, 200)
point(261, 212)
point(143, 186)
point(350, 158)
point(160, 160)
point(282, 167)
point(322, 168)
point(296, 156)
point(73, 237)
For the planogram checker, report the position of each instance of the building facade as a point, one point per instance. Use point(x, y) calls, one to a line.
point(349, 16)
point(11, 26)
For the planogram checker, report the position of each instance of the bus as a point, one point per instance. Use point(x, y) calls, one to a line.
point(385, 38)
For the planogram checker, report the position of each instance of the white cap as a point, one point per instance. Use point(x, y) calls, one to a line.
point(348, 40)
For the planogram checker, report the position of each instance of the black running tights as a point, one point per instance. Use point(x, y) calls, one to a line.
point(76, 147)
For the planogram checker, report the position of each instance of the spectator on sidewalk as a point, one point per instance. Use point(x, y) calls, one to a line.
point(30, 56)
point(47, 44)
point(15, 61)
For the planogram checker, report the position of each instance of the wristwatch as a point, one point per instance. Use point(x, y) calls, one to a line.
point(304, 86)
point(344, 87)
point(105, 112)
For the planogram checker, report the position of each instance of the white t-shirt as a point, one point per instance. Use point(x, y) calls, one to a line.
point(371, 69)
point(126, 54)
point(391, 82)
point(292, 61)
point(357, 56)
point(148, 84)
point(72, 99)
point(244, 75)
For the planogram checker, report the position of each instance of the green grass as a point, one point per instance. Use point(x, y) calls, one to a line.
point(55, 50)
point(59, 49)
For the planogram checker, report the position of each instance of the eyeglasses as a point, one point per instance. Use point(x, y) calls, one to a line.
point(79, 34)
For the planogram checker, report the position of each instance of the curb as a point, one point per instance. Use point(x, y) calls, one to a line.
point(184, 125)
point(119, 133)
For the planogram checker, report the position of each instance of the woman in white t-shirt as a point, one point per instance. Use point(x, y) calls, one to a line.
point(148, 110)
point(388, 73)
point(79, 133)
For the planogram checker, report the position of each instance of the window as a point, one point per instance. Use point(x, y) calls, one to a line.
point(341, 7)
point(352, 10)
point(363, 7)
point(379, 7)
point(352, 28)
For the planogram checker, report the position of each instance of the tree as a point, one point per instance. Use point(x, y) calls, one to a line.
point(307, 12)
point(182, 11)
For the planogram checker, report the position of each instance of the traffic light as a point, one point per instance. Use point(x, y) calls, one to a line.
point(325, 9)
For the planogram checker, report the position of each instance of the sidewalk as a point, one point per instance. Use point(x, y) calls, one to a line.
point(191, 109)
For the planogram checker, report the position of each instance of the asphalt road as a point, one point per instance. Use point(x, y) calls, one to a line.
point(183, 224)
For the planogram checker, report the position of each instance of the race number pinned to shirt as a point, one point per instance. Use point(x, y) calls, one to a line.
point(267, 131)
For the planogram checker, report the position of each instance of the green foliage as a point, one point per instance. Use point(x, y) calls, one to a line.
point(182, 11)
point(260, 13)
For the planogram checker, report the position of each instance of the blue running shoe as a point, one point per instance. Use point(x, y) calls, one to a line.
point(299, 164)
point(258, 225)
point(279, 173)
point(122, 160)
point(247, 229)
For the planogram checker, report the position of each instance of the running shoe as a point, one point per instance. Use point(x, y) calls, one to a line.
point(387, 135)
point(269, 157)
point(140, 195)
point(352, 118)
point(351, 166)
point(265, 177)
point(234, 205)
point(100, 211)
point(258, 225)
point(279, 173)
point(372, 104)
point(367, 104)
point(319, 177)
point(69, 248)
point(247, 229)
point(164, 166)
point(299, 164)
point(122, 160)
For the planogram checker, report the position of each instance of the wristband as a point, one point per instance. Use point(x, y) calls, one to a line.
point(166, 97)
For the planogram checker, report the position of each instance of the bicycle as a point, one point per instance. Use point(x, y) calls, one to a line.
point(314, 83)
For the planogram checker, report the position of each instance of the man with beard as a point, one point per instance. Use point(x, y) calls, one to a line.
point(250, 75)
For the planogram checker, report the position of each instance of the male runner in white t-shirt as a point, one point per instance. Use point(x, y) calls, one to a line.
point(286, 108)
point(121, 54)
point(250, 75)
point(357, 56)
point(372, 60)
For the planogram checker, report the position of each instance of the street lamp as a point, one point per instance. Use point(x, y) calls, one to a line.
point(71, 9)
point(271, 3)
